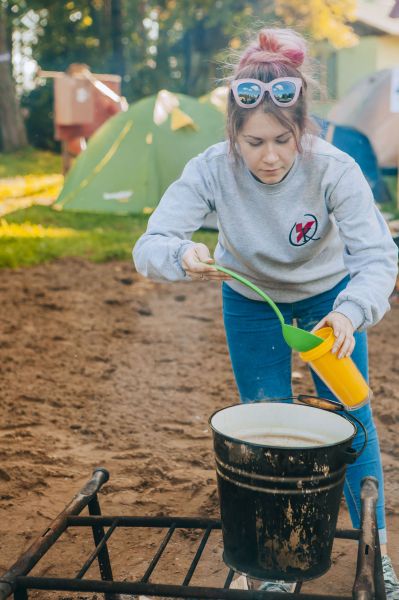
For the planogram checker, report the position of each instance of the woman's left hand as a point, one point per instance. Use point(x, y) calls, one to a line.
point(343, 332)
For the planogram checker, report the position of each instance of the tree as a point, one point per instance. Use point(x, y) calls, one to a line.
point(71, 32)
point(192, 36)
point(174, 44)
point(323, 20)
point(12, 126)
point(118, 56)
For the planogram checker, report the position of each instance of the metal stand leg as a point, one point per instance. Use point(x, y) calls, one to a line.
point(365, 586)
point(104, 561)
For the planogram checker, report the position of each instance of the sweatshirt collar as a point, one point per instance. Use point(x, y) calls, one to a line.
point(272, 188)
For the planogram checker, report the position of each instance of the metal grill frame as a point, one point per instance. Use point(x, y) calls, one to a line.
point(368, 581)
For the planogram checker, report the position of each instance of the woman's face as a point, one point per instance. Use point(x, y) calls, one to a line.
point(267, 147)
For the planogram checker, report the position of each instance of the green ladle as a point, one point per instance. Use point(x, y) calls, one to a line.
point(298, 339)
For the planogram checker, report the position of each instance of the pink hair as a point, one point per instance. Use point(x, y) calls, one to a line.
point(275, 53)
point(276, 47)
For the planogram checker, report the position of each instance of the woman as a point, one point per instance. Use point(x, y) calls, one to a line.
point(296, 217)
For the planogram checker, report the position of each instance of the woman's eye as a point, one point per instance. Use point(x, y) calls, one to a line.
point(254, 144)
point(283, 141)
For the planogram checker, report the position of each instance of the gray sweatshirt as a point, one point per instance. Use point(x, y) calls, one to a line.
point(293, 239)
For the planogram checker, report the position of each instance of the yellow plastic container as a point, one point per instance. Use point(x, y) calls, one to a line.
point(339, 374)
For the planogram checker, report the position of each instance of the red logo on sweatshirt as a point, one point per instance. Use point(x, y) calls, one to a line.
point(304, 232)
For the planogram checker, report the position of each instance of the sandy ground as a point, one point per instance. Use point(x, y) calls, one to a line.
point(101, 367)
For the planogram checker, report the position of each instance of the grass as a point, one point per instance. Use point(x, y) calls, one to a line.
point(38, 234)
point(29, 161)
point(96, 237)
point(28, 177)
point(392, 207)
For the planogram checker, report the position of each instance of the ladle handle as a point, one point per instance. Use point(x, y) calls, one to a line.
point(253, 287)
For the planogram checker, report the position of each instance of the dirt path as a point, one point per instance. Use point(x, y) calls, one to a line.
point(101, 367)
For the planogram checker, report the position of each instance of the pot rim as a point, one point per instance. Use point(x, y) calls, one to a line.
point(285, 448)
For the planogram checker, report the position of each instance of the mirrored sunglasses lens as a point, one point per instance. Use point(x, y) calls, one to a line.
point(284, 91)
point(248, 93)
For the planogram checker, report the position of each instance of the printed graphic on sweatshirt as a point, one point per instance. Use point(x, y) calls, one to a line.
point(304, 231)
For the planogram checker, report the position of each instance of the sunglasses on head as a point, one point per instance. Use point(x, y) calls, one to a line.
point(284, 91)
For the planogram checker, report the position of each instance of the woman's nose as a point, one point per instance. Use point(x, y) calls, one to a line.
point(270, 156)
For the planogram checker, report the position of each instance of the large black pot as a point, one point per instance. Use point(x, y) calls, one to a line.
point(280, 471)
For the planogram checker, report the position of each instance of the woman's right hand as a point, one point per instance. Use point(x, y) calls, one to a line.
point(197, 263)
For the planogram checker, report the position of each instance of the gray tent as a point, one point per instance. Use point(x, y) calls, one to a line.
point(372, 107)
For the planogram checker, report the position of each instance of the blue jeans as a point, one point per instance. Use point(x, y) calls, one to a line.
point(261, 362)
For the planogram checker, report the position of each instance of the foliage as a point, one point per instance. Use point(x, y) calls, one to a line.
point(153, 44)
point(322, 19)
point(38, 105)
point(58, 234)
point(175, 44)
point(192, 36)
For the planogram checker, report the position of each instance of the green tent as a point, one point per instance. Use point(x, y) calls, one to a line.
point(135, 155)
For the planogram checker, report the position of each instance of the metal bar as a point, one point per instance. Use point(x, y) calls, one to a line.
point(104, 562)
point(96, 552)
point(152, 589)
point(188, 522)
point(363, 588)
point(21, 594)
point(197, 556)
point(126, 521)
point(158, 554)
point(229, 579)
point(43, 542)
point(348, 534)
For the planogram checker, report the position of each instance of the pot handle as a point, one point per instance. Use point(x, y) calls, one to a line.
point(350, 454)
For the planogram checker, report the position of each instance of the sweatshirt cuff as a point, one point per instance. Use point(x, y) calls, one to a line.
point(353, 311)
point(179, 255)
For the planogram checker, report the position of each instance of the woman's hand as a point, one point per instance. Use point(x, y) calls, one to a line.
point(343, 332)
point(197, 263)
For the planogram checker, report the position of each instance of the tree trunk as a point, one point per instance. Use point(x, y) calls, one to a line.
point(118, 55)
point(200, 67)
point(12, 127)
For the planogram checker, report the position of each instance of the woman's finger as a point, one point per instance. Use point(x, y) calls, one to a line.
point(217, 276)
point(339, 338)
point(198, 267)
point(343, 351)
point(207, 276)
point(351, 347)
point(202, 253)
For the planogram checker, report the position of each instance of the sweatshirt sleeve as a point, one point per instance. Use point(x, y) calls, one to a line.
point(181, 211)
point(370, 254)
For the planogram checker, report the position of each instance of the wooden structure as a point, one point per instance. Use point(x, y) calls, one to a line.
point(83, 101)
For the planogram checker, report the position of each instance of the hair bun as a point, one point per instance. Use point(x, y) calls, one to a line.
point(268, 42)
point(274, 46)
point(285, 42)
